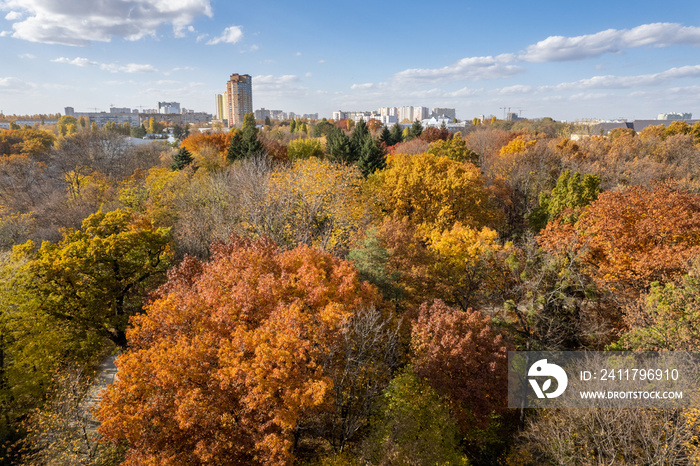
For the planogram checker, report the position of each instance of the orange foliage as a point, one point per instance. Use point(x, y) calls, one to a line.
point(197, 141)
point(232, 355)
point(633, 236)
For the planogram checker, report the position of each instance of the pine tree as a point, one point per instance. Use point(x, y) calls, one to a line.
point(396, 134)
point(181, 159)
point(371, 157)
point(385, 137)
point(357, 139)
point(236, 149)
point(416, 129)
point(338, 146)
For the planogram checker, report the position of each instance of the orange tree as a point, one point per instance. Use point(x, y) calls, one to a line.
point(233, 355)
point(631, 237)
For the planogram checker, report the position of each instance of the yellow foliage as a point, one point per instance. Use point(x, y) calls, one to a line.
point(463, 246)
point(433, 192)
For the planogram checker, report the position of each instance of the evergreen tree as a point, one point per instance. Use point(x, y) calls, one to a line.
point(385, 137)
point(236, 149)
point(249, 133)
point(371, 157)
point(416, 129)
point(268, 122)
point(338, 146)
point(396, 134)
point(181, 159)
point(357, 139)
point(293, 126)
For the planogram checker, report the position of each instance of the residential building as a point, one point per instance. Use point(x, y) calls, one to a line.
point(168, 107)
point(239, 100)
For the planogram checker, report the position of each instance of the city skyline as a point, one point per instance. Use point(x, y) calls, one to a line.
point(599, 60)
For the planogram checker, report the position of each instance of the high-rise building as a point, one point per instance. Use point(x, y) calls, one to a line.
point(219, 107)
point(239, 98)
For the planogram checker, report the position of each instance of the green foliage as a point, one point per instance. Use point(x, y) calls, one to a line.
point(413, 426)
point(323, 128)
point(359, 135)
point(669, 319)
point(371, 260)
point(138, 132)
point(304, 149)
point(338, 146)
point(455, 149)
point(245, 142)
point(371, 158)
point(416, 130)
point(181, 159)
point(570, 194)
point(396, 134)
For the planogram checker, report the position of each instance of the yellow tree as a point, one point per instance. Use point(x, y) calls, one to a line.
point(433, 192)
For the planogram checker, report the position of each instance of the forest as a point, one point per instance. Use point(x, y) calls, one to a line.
point(338, 293)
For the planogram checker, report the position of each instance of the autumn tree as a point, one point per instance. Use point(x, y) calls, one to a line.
point(455, 148)
point(433, 192)
point(97, 277)
point(232, 356)
point(304, 149)
point(668, 318)
point(464, 359)
point(631, 237)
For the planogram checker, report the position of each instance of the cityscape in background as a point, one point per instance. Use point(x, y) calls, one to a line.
point(236, 101)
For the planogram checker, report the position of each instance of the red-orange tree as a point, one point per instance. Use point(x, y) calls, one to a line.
point(465, 359)
point(631, 237)
point(232, 355)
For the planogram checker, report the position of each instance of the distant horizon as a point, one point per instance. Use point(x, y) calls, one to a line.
point(607, 61)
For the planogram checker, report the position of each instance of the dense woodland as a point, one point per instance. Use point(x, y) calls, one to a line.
point(331, 293)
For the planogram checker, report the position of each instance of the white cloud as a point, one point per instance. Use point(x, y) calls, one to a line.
point(231, 35)
point(13, 84)
point(470, 68)
point(111, 67)
point(27, 56)
point(78, 61)
point(624, 82)
point(561, 48)
point(79, 22)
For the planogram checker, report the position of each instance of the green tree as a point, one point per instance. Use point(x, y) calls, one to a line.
point(371, 158)
point(416, 129)
point(181, 159)
point(268, 122)
point(396, 134)
point(67, 125)
point(322, 128)
point(357, 139)
point(338, 146)
point(413, 426)
point(570, 194)
point(138, 132)
point(385, 136)
point(236, 149)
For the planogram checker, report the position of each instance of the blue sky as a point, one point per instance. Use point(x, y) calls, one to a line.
point(595, 59)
